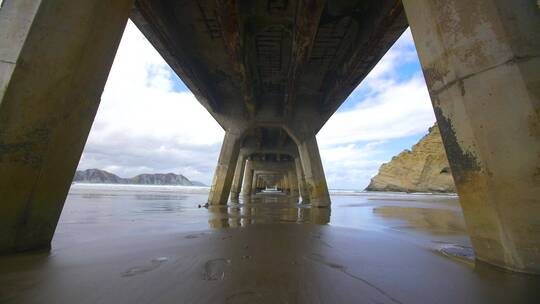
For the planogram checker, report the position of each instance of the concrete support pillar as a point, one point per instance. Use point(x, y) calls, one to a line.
point(254, 183)
point(482, 67)
point(248, 178)
point(261, 183)
point(293, 181)
point(286, 186)
point(238, 176)
point(314, 172)
point(223, 177)
point(302, 187)
point(55, 56)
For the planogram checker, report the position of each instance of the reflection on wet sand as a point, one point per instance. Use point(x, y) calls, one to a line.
point(436, 221)
point(439, 222)
point(266, 209)
point(115, 248)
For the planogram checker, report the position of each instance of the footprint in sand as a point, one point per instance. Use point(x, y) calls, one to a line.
point(154, 264)
point(215, 269)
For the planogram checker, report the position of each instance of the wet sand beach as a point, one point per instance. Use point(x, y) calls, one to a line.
point(133, 244)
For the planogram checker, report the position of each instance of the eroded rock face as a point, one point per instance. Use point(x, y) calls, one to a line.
point(424, 169)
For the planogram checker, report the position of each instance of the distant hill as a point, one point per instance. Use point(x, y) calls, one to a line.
point(197, 183)
point(96, 176)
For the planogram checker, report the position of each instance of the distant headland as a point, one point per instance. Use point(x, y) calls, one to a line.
point(424, 169)
point(97, 176)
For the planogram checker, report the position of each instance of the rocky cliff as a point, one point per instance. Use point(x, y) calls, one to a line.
point(104, 177)
point(423, 169)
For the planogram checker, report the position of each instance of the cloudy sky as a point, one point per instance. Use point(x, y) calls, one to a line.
point(149, 122)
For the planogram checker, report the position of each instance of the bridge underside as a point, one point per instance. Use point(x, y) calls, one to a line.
point(271, 73)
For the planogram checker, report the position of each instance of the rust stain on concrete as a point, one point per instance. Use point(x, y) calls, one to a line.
point(435, 74)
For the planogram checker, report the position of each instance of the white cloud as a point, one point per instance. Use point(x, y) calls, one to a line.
point(402, 109)
point(143, 125)
point(347, 166)
point(386, 107)
point(402, 51)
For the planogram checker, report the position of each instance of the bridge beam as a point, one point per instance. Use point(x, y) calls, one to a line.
point(55, 56)
point(481, 64)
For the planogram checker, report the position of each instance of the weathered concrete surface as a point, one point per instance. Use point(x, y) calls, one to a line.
point(276, 63)
point(255, 182)
point(54, 59)
point(424, 168)
point(238, 176)
point(228, 157)
point(248, 178)
point(481, 63)
point(281, 167)
point(314, 173)
point(302, 187)
point(293, 180)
